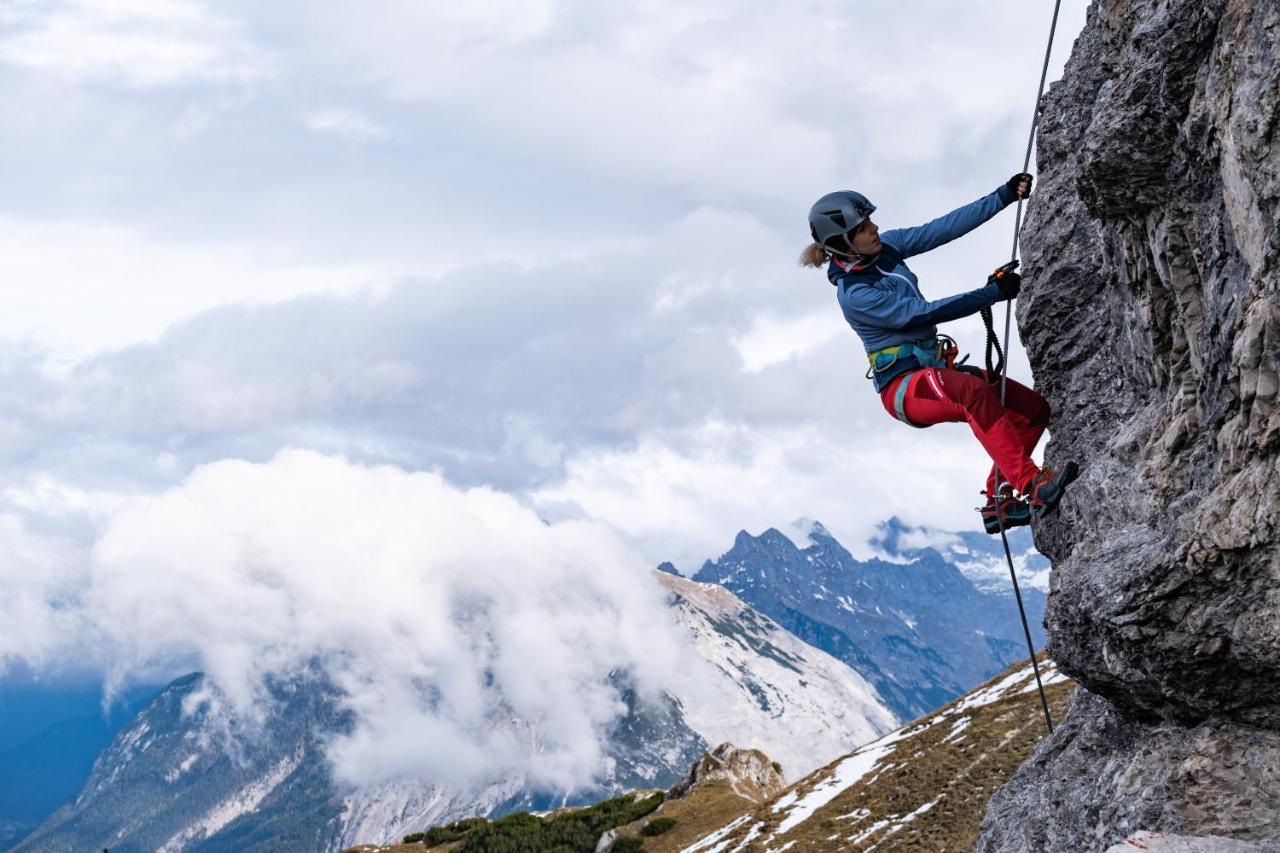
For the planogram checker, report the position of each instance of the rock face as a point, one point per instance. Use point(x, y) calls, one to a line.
point(1152, 319)
point(1158, 842)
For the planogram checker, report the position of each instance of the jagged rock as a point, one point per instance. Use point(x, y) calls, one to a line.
point(1151, 315)
point(748, 771)
point(1104, 775)
point(1158, 842)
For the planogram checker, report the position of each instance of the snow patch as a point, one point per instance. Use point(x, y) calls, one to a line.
point(712, 843)
point(749, 837)
point(843, 775)
point(244, 801)
point(999, 690)
point(1054, 677)
point(957, 728)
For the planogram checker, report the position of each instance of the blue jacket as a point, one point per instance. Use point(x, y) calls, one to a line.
point(882, 300)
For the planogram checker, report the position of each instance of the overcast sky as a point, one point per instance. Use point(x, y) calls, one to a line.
point(546, 247)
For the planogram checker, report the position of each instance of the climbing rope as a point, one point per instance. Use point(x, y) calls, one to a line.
point(996, 368)
point(1003, 364)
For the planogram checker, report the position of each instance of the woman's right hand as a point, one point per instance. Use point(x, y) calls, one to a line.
point(1020, 184)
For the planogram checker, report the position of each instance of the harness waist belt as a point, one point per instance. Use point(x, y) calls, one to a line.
point(938, 351)
point(929, 352)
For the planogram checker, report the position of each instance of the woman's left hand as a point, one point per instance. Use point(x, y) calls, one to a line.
point(1020, 184)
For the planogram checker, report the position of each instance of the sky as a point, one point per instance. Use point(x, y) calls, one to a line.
point(539, 251)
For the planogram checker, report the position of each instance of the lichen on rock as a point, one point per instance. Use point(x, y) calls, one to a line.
point(1151, 316)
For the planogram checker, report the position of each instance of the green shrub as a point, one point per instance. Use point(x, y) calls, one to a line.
point(521, 832)
point(657, 826)
point(628, 844)
point(437, 835)
point(777, 768)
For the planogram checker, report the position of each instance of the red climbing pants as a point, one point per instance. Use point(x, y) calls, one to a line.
point(1009, 433)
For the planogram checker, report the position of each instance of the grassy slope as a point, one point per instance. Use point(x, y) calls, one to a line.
point(924, 787)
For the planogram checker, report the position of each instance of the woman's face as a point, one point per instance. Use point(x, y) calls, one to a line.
point(866, 238)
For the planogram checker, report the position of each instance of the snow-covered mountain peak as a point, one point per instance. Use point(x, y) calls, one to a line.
point(978, 556)
point(914, 624)
point(777, 693)
point(807, 532)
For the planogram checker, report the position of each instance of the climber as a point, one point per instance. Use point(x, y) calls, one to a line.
point(912, 366)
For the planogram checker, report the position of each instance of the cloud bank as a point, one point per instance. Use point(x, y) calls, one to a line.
point(546, 249)
point(445, 615)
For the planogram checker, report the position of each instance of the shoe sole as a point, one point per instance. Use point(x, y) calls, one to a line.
point(993, 526)
point(1008, 525)
point(1068, 476)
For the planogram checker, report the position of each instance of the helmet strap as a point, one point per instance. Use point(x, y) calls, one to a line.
point(857, 260)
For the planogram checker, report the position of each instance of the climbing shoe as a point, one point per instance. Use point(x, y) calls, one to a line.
point(1047, 488)
point(1004, 507)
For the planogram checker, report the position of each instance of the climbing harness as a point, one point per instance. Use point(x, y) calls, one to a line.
point(1004, 378)
point(938, 351)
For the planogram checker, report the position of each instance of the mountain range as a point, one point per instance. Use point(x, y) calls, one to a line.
point(809, 654)
point(182, 778)
point(913, 623)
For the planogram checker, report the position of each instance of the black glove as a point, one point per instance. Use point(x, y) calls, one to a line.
point(1008, 281)
point(1020, 178)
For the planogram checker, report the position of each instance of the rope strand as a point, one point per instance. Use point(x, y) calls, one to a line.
point(1003, 371)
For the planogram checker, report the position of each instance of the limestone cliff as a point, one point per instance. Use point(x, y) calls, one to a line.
point(1151, 314)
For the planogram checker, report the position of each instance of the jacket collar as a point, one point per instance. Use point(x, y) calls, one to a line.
point(856, 263)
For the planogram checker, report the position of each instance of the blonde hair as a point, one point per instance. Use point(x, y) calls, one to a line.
point(814, 255)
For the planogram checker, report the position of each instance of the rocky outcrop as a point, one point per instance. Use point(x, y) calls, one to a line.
point(1151, 316)
point(749, 772)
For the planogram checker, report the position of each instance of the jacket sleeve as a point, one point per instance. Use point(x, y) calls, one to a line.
point(888, 310)
point(944, 229)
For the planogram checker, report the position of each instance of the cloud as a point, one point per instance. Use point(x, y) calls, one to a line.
point(522, 132)
point(539, 380)
point(723, 100)
point(490, 372)
point(136, 43)
point(686, 494)
point(43, 606)
point(456, 613)
point(770, 340)
point(566, 270)
point(128, 285)
point(344, 123)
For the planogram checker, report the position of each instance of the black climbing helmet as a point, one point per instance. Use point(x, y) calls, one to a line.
point(838, 214)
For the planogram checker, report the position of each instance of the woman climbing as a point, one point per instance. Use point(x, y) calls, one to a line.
point(912, 365)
